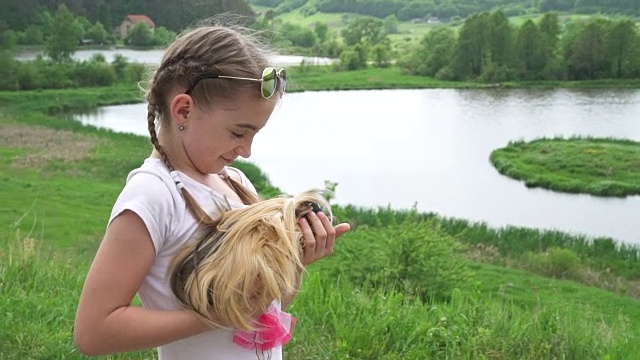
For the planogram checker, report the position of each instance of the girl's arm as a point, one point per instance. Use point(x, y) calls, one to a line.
point(106, 322)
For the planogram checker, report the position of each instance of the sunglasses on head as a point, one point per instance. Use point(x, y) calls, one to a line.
point(268, 82)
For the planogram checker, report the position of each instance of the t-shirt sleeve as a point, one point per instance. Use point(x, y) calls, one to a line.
point(148, 197)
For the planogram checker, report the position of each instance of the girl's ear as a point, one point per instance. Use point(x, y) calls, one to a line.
point(181, 107)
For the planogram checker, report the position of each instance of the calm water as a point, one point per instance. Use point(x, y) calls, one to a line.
point(431, 148)
point(154, 56)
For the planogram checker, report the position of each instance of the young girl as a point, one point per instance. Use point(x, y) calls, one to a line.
point(211, 94)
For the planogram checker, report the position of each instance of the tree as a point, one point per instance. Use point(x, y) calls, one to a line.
point(587, 57)
point(321, 29)
point(381, 53)
point(9, 40)
point(140, 35)
point(499, 38)
point(528, 51)
point(363, 30)
point(434, 53)
point(299, 35)
point(472, 50)
point(622, 46)
point(97, 34)
point(353, 58)
point(65, 35)
point(163, 36)
point(550, 32)
point(33, 36)
point(390, 24)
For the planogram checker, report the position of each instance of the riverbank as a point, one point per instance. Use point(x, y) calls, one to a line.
point(58, 192)
point(318, 78)
point(602, 167)
point(303, 77)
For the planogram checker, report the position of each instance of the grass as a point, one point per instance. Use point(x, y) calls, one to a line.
point(309, 78)
point(55, 209)
point(602, 167)
point(314, 78)
point(335, 21)
point(506, 314)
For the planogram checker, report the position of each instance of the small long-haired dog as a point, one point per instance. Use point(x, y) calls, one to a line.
point(249, 257)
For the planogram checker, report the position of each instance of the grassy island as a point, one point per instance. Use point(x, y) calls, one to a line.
point(602, 167)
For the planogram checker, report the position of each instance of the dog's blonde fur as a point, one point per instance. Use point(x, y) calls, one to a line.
point(245, 260)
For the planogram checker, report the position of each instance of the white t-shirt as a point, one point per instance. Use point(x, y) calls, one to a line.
point(151, 193)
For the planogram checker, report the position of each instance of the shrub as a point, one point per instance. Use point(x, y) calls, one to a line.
point(555, 262)
point(93, 74)
point(414, 256)
point(8, 71)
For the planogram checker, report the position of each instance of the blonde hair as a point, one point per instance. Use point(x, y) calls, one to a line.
point(244, 261)
point(205, 50)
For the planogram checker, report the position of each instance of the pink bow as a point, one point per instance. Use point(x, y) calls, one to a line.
point(275, 330)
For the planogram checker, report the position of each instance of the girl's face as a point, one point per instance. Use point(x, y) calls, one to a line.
point(216, 135)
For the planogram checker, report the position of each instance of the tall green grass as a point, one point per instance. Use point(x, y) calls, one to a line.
point(508, 314)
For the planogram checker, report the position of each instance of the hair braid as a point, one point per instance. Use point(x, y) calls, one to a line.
point(151, 125)
point(192, 204)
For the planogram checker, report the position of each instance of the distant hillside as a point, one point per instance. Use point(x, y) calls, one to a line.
point(411, 9)
point(172, 14)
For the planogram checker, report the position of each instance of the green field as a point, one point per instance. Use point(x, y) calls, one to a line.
point(422, 286)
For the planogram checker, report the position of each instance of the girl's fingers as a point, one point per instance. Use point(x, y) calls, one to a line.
point(341, 229)
point(309, 239)
point(329, 230)
point(318, 229)
point(319, 236)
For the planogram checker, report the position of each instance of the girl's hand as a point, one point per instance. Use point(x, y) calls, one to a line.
point(317, 246)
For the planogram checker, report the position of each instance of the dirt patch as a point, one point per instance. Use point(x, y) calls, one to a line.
point(48, 144)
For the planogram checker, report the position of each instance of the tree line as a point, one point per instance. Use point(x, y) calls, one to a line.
point(174, 15)
point(62, 32)
point(412, 9)
point(488, 47)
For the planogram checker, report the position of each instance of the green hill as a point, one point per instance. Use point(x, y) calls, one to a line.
point(422, 9)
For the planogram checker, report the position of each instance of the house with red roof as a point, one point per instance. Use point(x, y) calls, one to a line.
point(130, 21)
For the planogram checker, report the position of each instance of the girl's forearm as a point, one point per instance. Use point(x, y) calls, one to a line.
point(133, 328)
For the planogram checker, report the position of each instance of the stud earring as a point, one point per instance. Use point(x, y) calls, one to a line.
point(181, 127)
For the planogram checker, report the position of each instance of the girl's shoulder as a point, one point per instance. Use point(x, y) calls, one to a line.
point(153, 178)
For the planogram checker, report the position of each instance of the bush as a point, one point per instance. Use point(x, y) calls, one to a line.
point(413, 256)
point(93, 74)
point(43, 74)
point(555, 262)
point(134, 72)
point(8, 71)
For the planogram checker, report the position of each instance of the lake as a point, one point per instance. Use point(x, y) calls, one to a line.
point(154, 56)
point(431, 148)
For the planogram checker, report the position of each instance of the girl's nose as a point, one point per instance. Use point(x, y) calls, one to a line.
point(244, 150)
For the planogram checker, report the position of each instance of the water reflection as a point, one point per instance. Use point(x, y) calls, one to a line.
point(431, 147)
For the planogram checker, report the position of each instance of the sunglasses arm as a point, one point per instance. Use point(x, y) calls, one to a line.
point(239, 78)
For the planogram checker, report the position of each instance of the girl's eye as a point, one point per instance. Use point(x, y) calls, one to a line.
point(237, 135)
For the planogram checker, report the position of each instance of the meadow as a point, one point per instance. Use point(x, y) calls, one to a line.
point(401, 285)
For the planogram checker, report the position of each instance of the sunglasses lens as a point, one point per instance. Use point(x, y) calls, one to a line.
point(282, 74)
point(268, 82)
